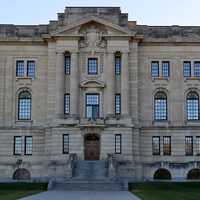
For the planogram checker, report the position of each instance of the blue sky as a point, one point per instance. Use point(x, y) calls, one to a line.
point(150, 12)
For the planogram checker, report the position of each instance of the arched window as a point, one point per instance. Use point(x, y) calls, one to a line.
point(192, 106)
point(24, 106)
point(194, 174)
point(67, 62)
point(162, 174)
point(118, 63)
point(160, 106)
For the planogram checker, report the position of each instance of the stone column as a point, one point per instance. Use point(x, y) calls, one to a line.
point(60, 85)
point(125, 85)
point(74, 85)
point(110, 85)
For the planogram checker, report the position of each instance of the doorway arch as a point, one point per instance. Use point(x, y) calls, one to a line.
point(92, 146)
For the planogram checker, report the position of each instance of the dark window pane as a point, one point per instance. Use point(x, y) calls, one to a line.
point(117, 64)
point(160, 107)
point(24, 106)
point(20, 68)
point(65, 144)
point(155, 69)
point(92, 106)
point(156, 145)
point(28, 145)
point(92, 66)
point(187, 69)
point(166, 145)
point(198, 145)
point(192, 106)
point(117, 104)
point(67, 63)
point(189, 145)
point(118, 143)
point(197, 69)
point(17, 145)
point(31, 69)
point(165, 69)
point(67, 104)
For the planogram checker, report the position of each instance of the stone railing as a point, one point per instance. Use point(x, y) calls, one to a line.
point(72, 157)
point(111, 165)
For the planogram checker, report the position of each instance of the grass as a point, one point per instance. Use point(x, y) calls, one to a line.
point(166, 191)
point(13, 191)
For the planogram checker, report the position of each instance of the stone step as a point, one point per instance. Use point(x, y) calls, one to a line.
point(89, 186)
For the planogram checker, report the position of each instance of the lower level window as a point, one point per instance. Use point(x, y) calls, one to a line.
point(118, 143)
point(188, 145)
point(28, 145)
point(167, 145)
point(17, 145)
point(65, 144)
point(92, 106)
point(156, 145)
point(198, 145)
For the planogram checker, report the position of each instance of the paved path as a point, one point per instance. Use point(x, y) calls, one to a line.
point(67, 195)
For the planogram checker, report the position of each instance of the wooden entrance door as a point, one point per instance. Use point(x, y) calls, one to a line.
point(92, 147)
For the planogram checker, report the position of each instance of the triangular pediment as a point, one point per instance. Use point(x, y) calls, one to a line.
point(74, 29)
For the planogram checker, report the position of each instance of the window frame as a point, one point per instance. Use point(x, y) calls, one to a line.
point(153, 152)
point(25, 146)
point(63, 142)
point(195, 71)
point(120, 144)
point(192, 146)
point(168, 69)
point(67, 67)
point(14, 150)
point(198, 145)
point(166, 153)
point(27, 71)
point(65, 105)
point(158, 65)
point(88, 66)
point(118, 68)
point(17, 74)
point(190, 69)
point(116, 96)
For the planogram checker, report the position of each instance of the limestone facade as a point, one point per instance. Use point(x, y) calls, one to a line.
point(97, 33)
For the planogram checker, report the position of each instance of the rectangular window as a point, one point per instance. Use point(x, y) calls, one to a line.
point(118, 64)
point(20, 68)
point(197, 69)
point(92, 106)
point(28, 145)
point(67, 104)
point(156, 145)
point(92, 66)
point(65, 144)
point(198, 145)
point(160, 109)
point(188, 145)
point(117, 104)
point(67, 64)
point(167, 145)
point(165, 68)
point(31, 69)
point(187, 69)
point(17, 145)
point(118, 144)
point(154, 69)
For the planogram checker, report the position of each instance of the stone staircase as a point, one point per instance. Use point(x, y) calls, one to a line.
point(89, 176)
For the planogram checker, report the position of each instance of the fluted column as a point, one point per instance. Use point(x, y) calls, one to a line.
point(60, 86)
point(74, 85)
point(110, 85)
point(125, 85)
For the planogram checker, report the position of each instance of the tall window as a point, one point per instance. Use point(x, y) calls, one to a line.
point(188, 145)
point(192, 106)
point(197, 69)
point(154, 69)
point(198, 145)
point(117, 104)
point(65, 144)
point(92, 66)
point(167, 145)
point(17, 145)
point(67, 63)
point(156, 145)
point(187, 69)
point(118, 63)
point(160, 106)
point(24, 106)
point(31, 69)
point(67, 104)
point(20, 68)
point(92, 106)
point(165, 69)
point(28, 145)
point(118, 143)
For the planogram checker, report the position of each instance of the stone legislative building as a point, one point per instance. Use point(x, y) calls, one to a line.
point(94, 90)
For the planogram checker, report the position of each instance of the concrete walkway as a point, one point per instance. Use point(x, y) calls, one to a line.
point(83, 195)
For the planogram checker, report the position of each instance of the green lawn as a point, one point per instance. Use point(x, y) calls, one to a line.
point(166, 191)
point(14, 191)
